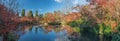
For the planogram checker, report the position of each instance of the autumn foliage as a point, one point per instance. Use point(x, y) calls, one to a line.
point(10, 21)
point(71, 17)
point(97, 13)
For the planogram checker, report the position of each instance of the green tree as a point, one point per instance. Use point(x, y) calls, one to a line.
point(36, 13)
point(40, 15)
point(30, 14)
point(23, 12)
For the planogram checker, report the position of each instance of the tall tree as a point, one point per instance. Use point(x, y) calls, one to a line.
point(30, 14)
point(40, 15)
point(23, 12)
point(36, 13)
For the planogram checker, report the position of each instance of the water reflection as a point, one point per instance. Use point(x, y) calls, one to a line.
point(50, 33)
point(39, 33)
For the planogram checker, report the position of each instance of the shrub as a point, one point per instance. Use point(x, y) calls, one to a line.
point(76, 23)
point(76, 29)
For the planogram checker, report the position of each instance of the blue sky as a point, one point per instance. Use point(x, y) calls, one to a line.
point(44, 6)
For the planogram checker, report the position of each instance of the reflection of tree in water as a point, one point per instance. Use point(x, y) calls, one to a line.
point(30, 29)
point(50, 28)
point(23, 29)
point(62, 36)
point(36, 30)
point(57, 30)
point(45, 29)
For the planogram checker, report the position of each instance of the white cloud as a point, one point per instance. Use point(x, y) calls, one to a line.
point(80, 2)
point(75, 2)
point(59, 1)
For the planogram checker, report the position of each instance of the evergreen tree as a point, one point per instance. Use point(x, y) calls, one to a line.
point(41, 16)
point(23, 12)
point(30, 14)
point(36, 14)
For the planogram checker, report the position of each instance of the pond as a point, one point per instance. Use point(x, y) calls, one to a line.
point(39, 33)
point(50, 33)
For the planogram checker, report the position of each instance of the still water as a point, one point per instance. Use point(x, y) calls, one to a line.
point(39, 33)
point(51, 33)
